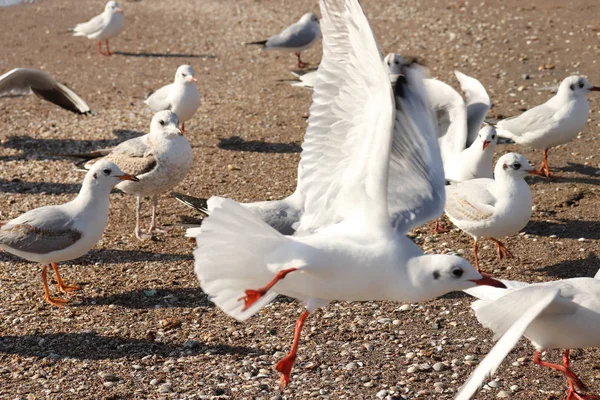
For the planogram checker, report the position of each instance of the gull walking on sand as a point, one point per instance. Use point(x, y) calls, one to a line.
point(369, 152)
point(52, 234)
point(103, 26)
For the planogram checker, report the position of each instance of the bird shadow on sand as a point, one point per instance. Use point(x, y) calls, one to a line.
point(151, 298)
point(54, 149)
point(565, 229)
point(163, 55)
point(570, 269)
point(20, 187)
point(111, 256)
point(92, 346)
point(580, 169)
point(236, 143)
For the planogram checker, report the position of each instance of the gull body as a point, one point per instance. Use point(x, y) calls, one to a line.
point(555, 122)
point(299, 36)
point(562, 314)
point(369, 153)
point(53, 234)
point(160, 160)
point(180, 97)
point(26, 80)
point(104, 26)
point(492, 208)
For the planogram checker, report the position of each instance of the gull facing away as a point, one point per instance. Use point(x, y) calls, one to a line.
point(49, 235)
point(493, 208)
point(562, 314)
point(20, 81)
point(557, 121)
point(181, 96)
point(160, 160)
point(301, 35)
point(103, 26)
point(369, 152)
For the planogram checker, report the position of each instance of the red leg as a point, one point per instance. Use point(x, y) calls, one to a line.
point(253, 295)
point(100, 48)
point(438, 228)
point(502, 250)
point(284, 366)
point(108, 53)
point(61, 285)
point(565, 370)
point(475, 248)
point(50, 300)
point(183, 127)
point(300, 63)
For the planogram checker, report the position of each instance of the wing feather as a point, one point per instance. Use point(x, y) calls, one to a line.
point(478, 104)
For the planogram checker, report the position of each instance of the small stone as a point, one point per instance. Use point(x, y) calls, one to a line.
point(191, 344)
point(368, 346)
point(411, 370)
point(503, 394)
point(410, 355)
point(424, 367)
point(469, 357)
point(165, 388)
point(154, 382)
point(514, 388)
point(381, 394)
point(108, 377)
point(525, 77)
point(493, 384)
point(439, 366)
point(405, 307)
point(350, 366)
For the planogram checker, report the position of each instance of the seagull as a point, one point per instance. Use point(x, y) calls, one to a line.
point(21, 81)
point(299, 36)
point(369, 152)
point(103, 26)
point(562, 314)
point(493, 208)
point(160, 160)
point(181, 96)
point(555, 122)
point(49, 235)
point(467, 149)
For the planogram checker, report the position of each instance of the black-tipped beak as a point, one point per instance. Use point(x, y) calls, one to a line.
point(535, 172)
point(489, 281)
point(486, 143)
point(128, 177)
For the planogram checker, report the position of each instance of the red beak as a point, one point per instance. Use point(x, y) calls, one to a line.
point(595, 89)
point(128, 177)
point(486, 143)
point(489, 281)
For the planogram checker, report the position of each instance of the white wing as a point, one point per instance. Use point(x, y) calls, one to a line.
point(25, 80)
point(89, 28)
point(451, 112)
point(597, 276)
point(416, 192)
point(538, 118)
point(159, 100)
point(347, 145)
point(478, 104)
point(492, 361)
point(470, 200)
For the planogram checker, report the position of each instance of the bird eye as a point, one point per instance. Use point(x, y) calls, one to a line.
point(581, 84)
point(516, 166)
point(457, 272)
point(161, 122)
point(183, 74)
point(493, 136)
point(396, 62)
point(107, 171)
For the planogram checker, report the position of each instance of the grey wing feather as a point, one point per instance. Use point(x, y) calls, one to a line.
point(293, 36)
point(478, 104)
point(26, 80)
point(416, 182)
point(40, 231)
point(93, 25)
point(529, 121)
point(159, 100)
point(133, 156)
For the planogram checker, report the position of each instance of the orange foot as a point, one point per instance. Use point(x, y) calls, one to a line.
point(284, 366)
point(251, 297)
point(439, 229)
point(68, 288)
point(55, 301)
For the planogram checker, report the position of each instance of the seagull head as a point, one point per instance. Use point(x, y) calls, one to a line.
point(165, 124)
point(113, 7)
point(106, 174)
point(577, 86)
point(514, 165)
point(488, 137)
point(394, 63)
point(438, 274)
point(309, 17)
point(185, 74)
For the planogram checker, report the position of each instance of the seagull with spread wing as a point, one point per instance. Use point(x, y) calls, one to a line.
point(369, 153)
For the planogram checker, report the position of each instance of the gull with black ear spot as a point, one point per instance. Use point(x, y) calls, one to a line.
point(493, 208)
point(557, 121)
point(160, 159)
point(52, 234)
point(103, 26)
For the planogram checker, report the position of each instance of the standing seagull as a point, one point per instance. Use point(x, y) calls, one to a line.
point(299, 36)
point(160, 160)
point(49, 235)
point(365, 142)
point(555, 122)
point(562, 314)
point(493, 208)
point(103, 26)
point(181, 96)
point(26, 80)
